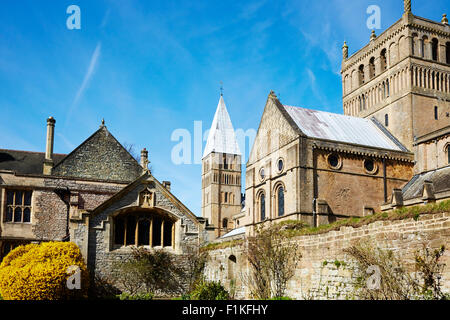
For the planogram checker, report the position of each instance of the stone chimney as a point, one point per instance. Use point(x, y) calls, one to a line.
point(167, 185)
point(48, 161)
point(144, 159)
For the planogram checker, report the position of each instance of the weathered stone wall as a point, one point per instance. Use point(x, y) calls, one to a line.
point(100, 157)
point(325, 271)
point(102, 254)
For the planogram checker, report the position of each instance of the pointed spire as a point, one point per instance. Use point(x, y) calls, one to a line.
point(373, 36)
point(103, 123)
point(221, 138)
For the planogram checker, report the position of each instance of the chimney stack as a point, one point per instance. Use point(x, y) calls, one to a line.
point(144, 159)
point(48, 161)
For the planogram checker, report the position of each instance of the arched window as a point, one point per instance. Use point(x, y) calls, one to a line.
point(280, 201)
point(414, 44)
point(448, 154)
point(225, 163)
point(447, 52)
point(422, 49)
point(225, 223)
point(262, 206)
point(231, 266)
point(435, 49)
point(143, 229)
point(383, 60)
point(386, 120)
point(387, 87)
point(372, 68)
point(361, 74)
point(436, 113)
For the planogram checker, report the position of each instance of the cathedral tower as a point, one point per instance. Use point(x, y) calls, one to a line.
point(221, 173)
point(402, 78)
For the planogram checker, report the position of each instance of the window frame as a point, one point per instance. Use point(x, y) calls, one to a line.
point(15, 206)
point(142, 215)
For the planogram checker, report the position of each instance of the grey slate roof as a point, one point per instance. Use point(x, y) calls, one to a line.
point(342, 128)
point(221, 138)
point(24, 162)
point(440, 179)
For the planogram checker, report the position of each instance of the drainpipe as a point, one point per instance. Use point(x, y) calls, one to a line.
point(314, 203)
point(385, 179)
point(315, 186)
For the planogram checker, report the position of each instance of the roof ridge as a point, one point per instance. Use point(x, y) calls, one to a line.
point(34, 152)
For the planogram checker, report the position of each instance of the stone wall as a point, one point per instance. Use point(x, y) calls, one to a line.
point(100, 157)
point(96, 241)
point(325, 271)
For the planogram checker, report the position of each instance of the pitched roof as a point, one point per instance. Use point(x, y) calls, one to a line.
point(25, 162)
point(100, 157)
point(440, 179)
point(342, 128)
point(221, 138)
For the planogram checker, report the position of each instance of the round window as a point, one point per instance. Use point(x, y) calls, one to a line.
point(370, 166)
point(280, 165)
point(333, 161)
point(262, 174)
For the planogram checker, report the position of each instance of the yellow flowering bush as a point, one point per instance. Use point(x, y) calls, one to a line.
point(40, 272)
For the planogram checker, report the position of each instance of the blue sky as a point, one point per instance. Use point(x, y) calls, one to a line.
point(151, 67)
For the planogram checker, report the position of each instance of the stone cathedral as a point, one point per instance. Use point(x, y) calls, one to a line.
point(390, 148)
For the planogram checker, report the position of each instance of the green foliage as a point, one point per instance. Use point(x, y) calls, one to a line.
point(195, 262)
point(399, 281)
point(398, 214)
point(139, 296)
point(272, 262)
point(280, 298)
point(222, 245)
point(207, 290)
point(149, 272)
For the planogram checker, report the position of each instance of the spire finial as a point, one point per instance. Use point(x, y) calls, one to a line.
point(345, 50)
point(103, 123)
point(444, 19)
point(373, 36)
point(221, 88)
point(407, 4)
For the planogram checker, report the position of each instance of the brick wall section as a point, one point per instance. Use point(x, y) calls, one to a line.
point(325, 272)
point(102, 157)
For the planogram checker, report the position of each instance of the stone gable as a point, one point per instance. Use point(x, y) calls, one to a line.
point(274, 132)
point(100, 157)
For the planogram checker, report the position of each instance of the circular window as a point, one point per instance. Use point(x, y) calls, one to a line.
point(370, 166)
point(262, 174)
point(280, 165)
point(334, 161)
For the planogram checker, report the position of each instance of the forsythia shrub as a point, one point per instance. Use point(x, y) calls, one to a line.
point(39, 272)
